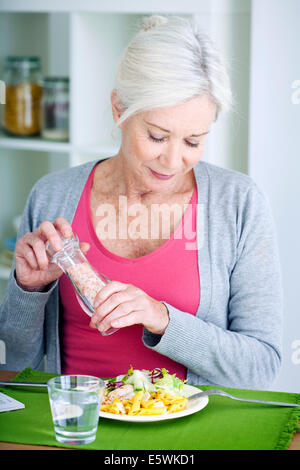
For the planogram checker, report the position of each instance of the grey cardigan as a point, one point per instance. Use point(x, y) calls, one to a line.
point(235, 338)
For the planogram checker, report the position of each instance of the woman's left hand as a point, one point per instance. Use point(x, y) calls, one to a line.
point(118, 305)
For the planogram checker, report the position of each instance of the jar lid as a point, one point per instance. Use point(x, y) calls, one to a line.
point(57, 79)
point(22, 61)
point(69, 245)
point(56, 82)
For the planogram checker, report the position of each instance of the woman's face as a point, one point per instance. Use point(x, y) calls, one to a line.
point(161, 145)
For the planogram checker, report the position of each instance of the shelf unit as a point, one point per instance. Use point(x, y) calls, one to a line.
point(84, 40)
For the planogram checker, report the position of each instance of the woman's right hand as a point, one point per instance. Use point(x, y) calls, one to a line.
point(33, 269)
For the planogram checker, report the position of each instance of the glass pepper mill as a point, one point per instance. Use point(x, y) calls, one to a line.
point(85, 279)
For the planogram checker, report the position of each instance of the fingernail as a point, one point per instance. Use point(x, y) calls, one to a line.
point(58, 246)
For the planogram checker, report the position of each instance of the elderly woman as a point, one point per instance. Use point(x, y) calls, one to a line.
point(203, 301)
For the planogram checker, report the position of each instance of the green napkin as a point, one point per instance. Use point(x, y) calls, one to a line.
point(222, 424)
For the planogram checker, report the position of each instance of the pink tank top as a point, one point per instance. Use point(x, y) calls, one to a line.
point(169, 273)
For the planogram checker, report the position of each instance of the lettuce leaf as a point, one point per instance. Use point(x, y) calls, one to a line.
point(169, 382)
point(139, 380)
point(142, 380)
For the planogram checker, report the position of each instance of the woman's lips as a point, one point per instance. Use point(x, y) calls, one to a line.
point(161, 177)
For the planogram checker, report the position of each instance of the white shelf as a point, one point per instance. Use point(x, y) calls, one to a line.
point(41, 145)
point(34, 143)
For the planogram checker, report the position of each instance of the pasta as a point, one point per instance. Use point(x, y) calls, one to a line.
point(160, 402)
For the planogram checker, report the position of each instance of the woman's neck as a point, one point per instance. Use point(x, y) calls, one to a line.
point(121, 181)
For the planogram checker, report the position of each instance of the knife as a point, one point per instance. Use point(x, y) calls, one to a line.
point(23, 384)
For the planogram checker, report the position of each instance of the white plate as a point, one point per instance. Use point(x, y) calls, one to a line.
point(188, 390)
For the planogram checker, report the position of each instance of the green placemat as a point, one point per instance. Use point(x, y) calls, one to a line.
point(222, 424)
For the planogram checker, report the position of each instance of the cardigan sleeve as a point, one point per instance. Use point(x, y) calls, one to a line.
point(248, 353)
point(22, 313)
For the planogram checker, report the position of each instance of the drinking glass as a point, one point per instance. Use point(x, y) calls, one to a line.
point(75, 402)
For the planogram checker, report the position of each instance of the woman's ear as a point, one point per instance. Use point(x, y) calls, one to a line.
point(117, 107)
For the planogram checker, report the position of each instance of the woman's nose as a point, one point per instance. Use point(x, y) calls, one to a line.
point(172, 159)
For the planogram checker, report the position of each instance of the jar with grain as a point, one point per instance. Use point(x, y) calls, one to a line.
point(23, 81)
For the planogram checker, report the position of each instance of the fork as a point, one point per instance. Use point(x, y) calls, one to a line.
point(216, 391)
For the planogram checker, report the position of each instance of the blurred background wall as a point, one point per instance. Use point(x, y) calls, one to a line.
point(82, 41)
point(274, 150)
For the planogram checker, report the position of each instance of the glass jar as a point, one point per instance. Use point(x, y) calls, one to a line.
point(23, 81)
point(55, 108)
point(85, 279)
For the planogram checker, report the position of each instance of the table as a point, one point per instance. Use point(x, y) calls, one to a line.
point(8, 375)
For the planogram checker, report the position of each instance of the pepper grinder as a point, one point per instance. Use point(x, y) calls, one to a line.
point(86, 280)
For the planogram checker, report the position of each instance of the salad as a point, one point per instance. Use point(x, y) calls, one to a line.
point(144, 392)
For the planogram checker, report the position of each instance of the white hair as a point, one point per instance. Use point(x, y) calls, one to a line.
point(170, 61)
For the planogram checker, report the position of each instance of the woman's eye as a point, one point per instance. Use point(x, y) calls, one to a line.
point(162, 139)
point(190, 144)
point(155, 139)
